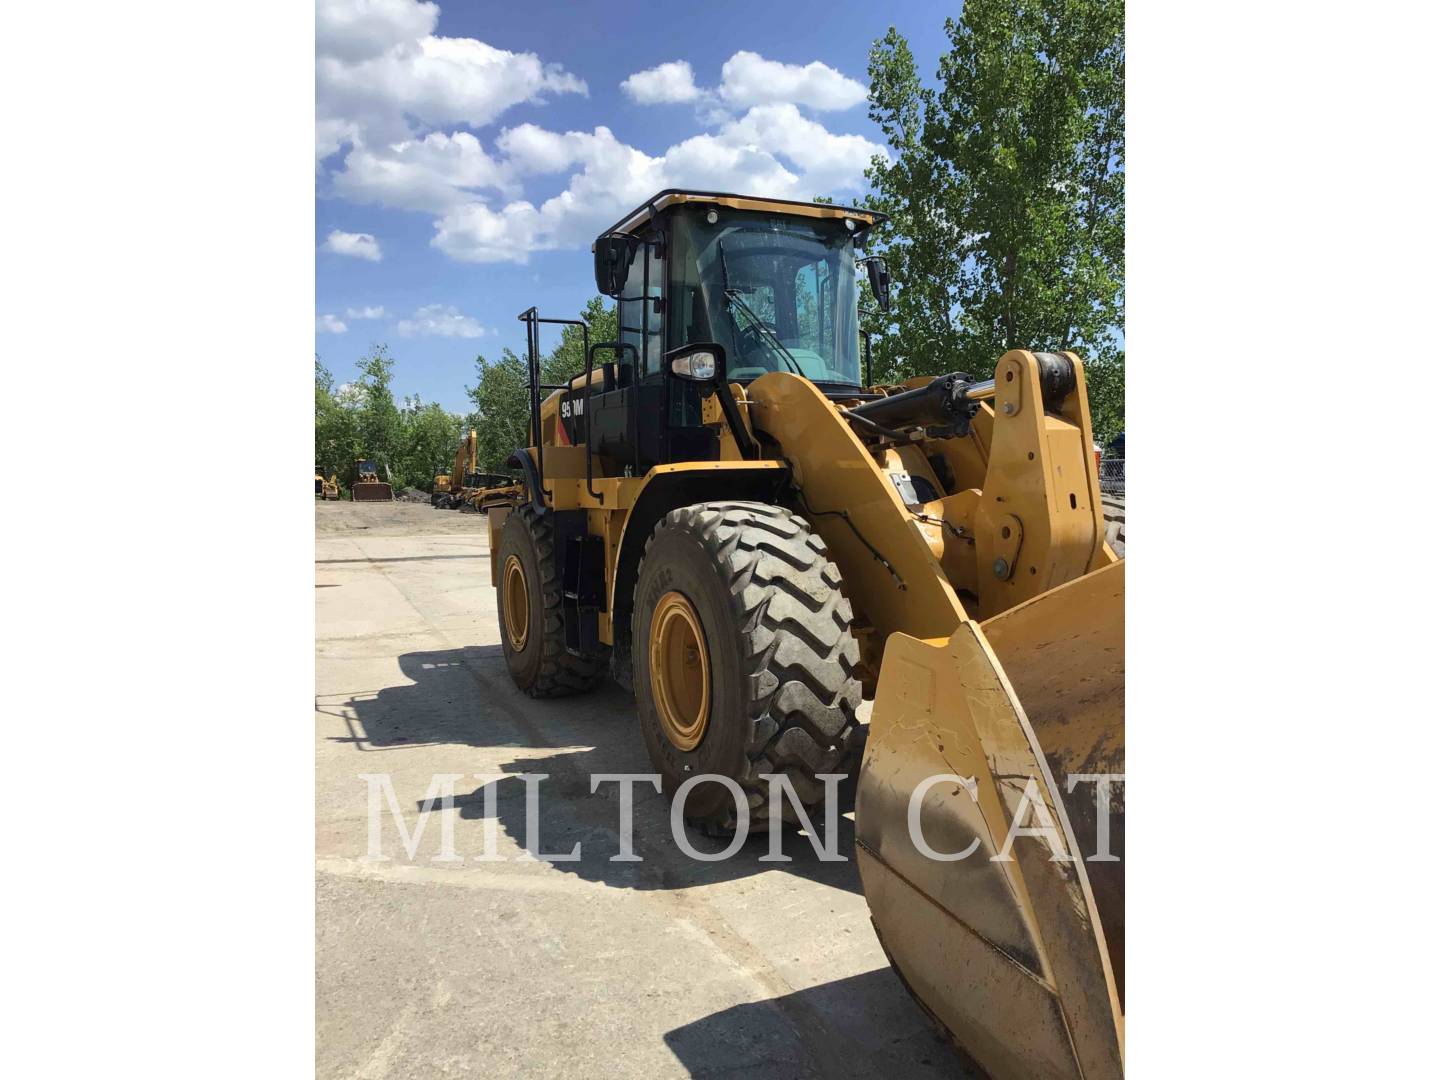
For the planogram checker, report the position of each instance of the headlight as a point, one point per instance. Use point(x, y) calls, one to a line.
point(697, 365)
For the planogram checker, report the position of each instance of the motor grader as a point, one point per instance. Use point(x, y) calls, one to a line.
point(367, 485)
point(726, 518)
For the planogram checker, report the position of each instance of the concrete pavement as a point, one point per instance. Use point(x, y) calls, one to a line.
point(666, 967)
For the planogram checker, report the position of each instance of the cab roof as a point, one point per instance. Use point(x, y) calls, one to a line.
point(671, 197)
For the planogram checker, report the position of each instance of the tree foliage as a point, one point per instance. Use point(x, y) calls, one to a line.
point(360, 419)
point(501, 411)
point(1006, 193)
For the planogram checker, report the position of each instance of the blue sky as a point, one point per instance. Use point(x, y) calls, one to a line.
point(469, 152)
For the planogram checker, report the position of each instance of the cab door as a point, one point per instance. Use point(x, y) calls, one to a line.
point(628, 418)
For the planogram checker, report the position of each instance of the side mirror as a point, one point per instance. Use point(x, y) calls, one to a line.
point(701, 361)
point(614, 252)
point(879, 281)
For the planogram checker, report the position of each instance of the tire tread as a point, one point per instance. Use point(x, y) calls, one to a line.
point(561, 672)
point(796, 644)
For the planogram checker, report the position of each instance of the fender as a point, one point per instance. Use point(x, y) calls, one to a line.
point(667, 487)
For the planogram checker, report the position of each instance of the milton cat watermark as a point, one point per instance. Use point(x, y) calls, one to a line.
point(1032, 816)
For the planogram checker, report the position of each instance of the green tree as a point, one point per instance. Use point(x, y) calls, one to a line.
point(335, 430)
point(428, 437)
point(361, 419)
point(567, 359)
point(1006, 193)
point(378, 416)
point(501, 416)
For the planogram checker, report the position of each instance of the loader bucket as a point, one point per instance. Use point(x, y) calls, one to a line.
point(371, 491)
point(1016, 948)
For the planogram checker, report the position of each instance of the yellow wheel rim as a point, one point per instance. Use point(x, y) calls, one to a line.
point(679, 671)
point(517, 604)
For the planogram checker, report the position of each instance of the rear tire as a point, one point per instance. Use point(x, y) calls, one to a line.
point(781, 682)
point(532, 629)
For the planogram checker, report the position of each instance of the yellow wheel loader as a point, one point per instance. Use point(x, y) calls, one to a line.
point(326, 489)
point(725, 518)
point(367, 485)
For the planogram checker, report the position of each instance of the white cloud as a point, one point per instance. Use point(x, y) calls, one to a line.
point(828, 161)
point(531, 150)
point(361, 29)
point(365, 313)
point(398, 101)
point(613, 177)
point(329, 324)
point(440, 320)
point(430, 175)
point(771, 150)
point(380, 72)
point(749, 79)
point(666, 83)
point(357, 245)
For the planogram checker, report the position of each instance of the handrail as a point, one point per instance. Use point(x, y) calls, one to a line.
point(532, 319)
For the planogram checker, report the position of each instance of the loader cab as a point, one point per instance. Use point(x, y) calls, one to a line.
point(772, 282)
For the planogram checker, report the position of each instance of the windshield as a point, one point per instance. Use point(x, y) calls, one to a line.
point(777, 292)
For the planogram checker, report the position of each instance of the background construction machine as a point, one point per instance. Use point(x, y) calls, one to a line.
point(326, 488)
point(490, 490)
point(440, 488)
point(367, 485)
point(467, 460)
point(724, 517)
point(473, 490)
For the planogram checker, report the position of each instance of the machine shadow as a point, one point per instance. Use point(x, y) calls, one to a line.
point(464, 697)
point(435, 708)
point(863, 1026)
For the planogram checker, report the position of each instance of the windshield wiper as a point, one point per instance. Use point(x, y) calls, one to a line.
point(733, 295)
point(785, 354)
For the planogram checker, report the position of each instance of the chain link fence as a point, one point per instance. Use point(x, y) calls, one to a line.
point(1112, 476)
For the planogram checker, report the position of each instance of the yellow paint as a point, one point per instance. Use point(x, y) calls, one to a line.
point(1043, 700)
point(991, 625)
point(680, 671)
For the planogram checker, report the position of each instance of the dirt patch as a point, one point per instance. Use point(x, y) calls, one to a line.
point(399, 518)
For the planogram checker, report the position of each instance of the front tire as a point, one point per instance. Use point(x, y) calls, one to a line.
point(532, 628)
point(753, 587)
